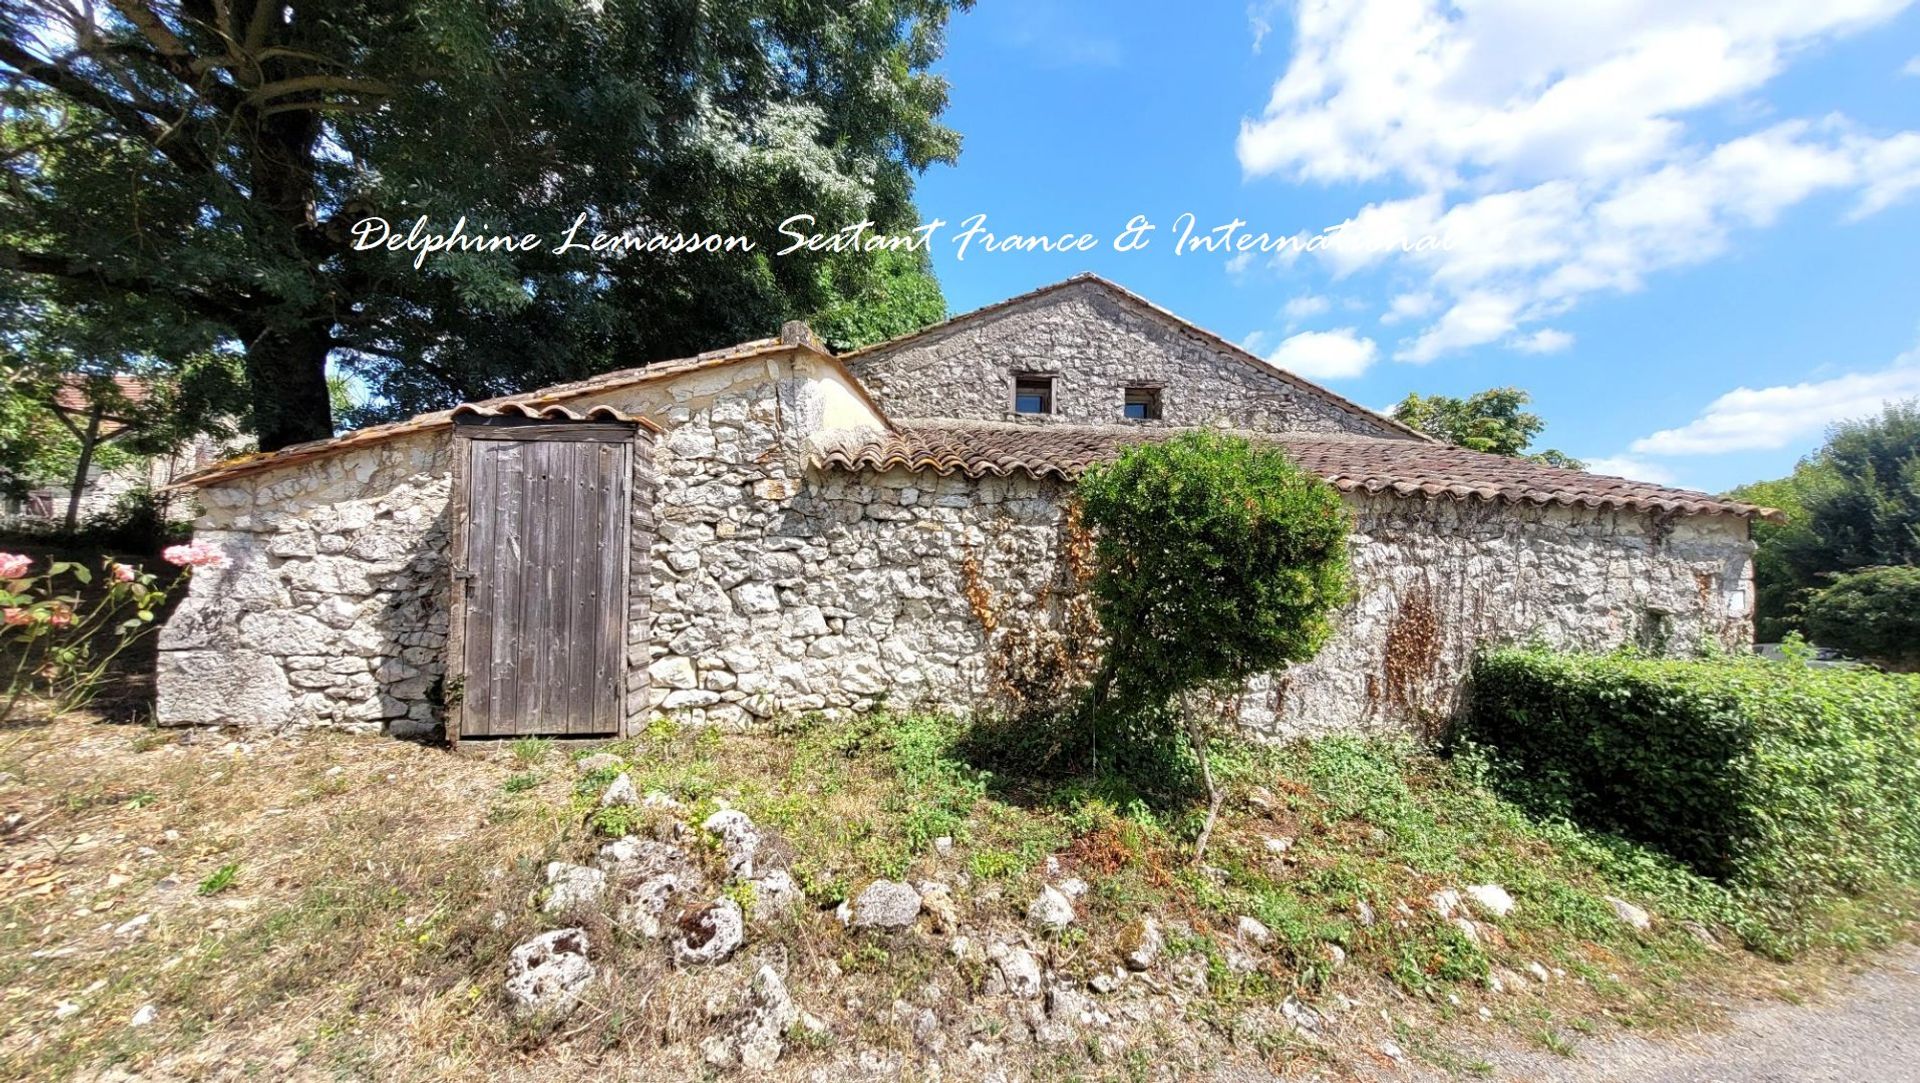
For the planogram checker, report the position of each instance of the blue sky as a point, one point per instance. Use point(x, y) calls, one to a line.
point(1690, 229)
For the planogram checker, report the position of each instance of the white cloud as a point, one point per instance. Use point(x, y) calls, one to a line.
point(1238, 263)
point(1626, 466)
point(1545, 340)
point(1749, 419)
point(1548, 148)
point(1255, 341)
point(1410, 306)
point(1326, 355)
point(1439, 92)
point(1912, 68)
point(1300, 308)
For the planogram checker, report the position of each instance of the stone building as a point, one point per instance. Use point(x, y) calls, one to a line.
point(771, 529)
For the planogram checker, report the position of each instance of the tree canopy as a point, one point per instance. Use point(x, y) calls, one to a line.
point(199, 167)
point(1852, 504)
point(1491, 421)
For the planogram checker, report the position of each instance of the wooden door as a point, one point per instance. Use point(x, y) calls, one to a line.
point(540, 578)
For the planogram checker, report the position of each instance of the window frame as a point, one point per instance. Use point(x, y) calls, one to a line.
point(1052, 399)
point(1156, 394)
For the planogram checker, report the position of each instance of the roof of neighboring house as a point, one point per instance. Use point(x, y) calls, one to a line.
point(1351, 463)
point(546, 396)
point(71, 396)
point(1134, 300)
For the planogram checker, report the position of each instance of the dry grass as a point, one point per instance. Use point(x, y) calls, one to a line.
point(375, 887)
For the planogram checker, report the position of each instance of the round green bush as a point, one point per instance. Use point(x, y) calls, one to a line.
point(1216, 560)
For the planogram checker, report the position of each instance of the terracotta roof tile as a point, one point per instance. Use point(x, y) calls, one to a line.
point(374, 434)
point(1351, 463)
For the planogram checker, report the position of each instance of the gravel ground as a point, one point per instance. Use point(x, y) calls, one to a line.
point(1866, 1030)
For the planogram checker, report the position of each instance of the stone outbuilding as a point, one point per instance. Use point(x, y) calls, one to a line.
point(772, 529)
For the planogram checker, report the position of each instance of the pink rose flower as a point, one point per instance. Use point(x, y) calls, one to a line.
point(59, 616)
point(15, 615)
point(14, 566)
point(125, 572)
point(193, 555)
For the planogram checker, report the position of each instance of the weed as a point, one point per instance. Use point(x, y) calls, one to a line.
point(522, 782)
point(220, 879)
point(529, 751)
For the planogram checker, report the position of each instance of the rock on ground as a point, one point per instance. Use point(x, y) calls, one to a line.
point(620, 792)
point(710, 934)
point(755, 1036)
point(1051, 910)
point(1492, 898)
point(1630, 913)
point(547, 975)
point(1141, 943)
point(739, 839)
point(599, 761)
point(1017, 970)
point(884, 904)
point(572, 887)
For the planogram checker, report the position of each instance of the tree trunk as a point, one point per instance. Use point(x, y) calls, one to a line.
point(287, 377)
point(88, 441)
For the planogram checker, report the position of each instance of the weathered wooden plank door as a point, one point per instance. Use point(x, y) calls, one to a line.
point(540, 568)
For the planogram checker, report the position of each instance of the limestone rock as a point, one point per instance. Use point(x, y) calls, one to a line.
point(1050, 910)
point(756, 1035)
point(547, 975)
point(620, 792)
point(649, 906)
point(710, 934)
point(634, 859)
point(774, 893)
point(1141, 944)
point(1250, 930)
point(1017, 970)
point(739, 839)
point(572, 887)
point(937, 900)
point(1491, 898)
point(885, 904)
point(1445, 902)
point(1630, 913)
point(599, 761)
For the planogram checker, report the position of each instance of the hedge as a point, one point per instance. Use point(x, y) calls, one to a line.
point(1793, 786)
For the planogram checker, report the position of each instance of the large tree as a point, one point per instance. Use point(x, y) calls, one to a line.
point(1852, 504)
point(1491, 421)
point(209, 159)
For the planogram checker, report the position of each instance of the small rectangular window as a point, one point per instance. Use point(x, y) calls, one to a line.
point(1143, 404)
point(1033, 394)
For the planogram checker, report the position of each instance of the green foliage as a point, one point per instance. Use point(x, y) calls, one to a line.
point(1873, 613)
point(1491, 421)
point(60, 631)
point(220, 879)
point(1854, 503)
point(1215, 561)
point(1795, 787)
point(168, 172)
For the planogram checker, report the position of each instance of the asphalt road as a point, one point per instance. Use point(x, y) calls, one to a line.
point(1866, 1030)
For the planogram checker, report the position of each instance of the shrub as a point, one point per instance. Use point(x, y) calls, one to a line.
point(1215, 560)
point(60, 632)
point(1794, 786)
point(1873, 613)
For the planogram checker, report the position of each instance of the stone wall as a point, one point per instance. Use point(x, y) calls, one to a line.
point(331, 609)
point(771, 586)
point(781, 588)
point(1097, 343)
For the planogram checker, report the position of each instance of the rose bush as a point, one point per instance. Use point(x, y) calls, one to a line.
point(57, 644)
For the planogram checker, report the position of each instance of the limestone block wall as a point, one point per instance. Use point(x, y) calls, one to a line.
point(331, 609)
point(1097, 344)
